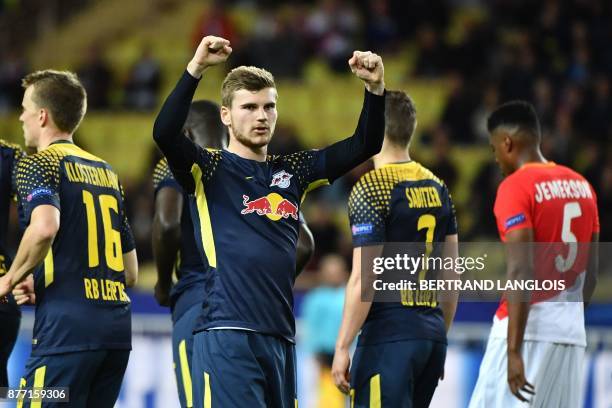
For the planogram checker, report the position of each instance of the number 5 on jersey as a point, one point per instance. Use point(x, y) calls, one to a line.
point(112, 237)
point(570, 211)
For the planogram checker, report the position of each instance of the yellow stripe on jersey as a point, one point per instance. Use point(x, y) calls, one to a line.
point(375, 401)
point(49, 268)
point(92, 230)
point(313, 186)
point(185, 373)
point(204, 216)
point(39, 382)
point(352, 395)
point(207, 396)
point(22, 384)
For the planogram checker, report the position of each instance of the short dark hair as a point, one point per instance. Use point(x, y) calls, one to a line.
point(250, 78)
point(516, 114)
point(62, 94)
point(400, 117)
point(204, 124)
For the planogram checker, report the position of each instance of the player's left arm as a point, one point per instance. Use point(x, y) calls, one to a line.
point(367, 140)
point(519, 267)
point(450, 251)
point(305, 246)
point(35, 244)
point(592, 272)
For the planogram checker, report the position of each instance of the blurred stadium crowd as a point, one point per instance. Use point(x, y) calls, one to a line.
point(555, 54)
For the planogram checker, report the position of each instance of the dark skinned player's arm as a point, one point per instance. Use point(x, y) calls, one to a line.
point(166, 239)
point(305, 247)
point(519, 267)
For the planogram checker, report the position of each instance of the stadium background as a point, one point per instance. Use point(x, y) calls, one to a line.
point(457, 59)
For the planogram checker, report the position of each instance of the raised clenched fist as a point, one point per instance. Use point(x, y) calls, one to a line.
point(368, 67)
point(211, 51)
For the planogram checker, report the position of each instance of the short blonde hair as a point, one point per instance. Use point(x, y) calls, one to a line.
point(62, 94)
point(250, 78)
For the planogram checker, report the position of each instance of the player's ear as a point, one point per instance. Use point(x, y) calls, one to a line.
point(225, 116)
point(43, 117)
point(507, 143)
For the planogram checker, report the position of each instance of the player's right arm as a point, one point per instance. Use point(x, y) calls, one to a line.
point(519, 268)
point(34, 246)
point(130, 265)
point(448, 305)
point(367, 220)
point(37, 186)
point(513, 215)
point(354, 316)
point(180, 151)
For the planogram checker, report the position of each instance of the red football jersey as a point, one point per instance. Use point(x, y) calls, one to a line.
point(547, 197)
point(560, 206)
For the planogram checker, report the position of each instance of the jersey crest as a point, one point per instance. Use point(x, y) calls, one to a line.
point(282, 179)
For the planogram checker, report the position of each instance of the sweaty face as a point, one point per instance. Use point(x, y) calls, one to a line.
point(30, 116)
point(252, 117)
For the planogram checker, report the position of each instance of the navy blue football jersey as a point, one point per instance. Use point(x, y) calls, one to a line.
point(402, 202)
point(246, 224)
point(9, 156)
point(81, 302)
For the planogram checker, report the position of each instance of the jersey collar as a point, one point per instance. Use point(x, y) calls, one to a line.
point(61, 141)
point(402, 163)
point(547, 164)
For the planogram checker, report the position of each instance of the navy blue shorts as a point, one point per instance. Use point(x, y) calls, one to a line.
point(402, 374)
point(92, 377)
point(8, 335)
point(239, 368)
point(182, 347)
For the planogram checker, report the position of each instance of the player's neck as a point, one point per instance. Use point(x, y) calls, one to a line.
point(531, 156)
point(246, 152)
point(51, 136)
point(390, 154)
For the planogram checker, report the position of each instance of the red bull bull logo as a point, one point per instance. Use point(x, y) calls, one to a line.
point(273, 206)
